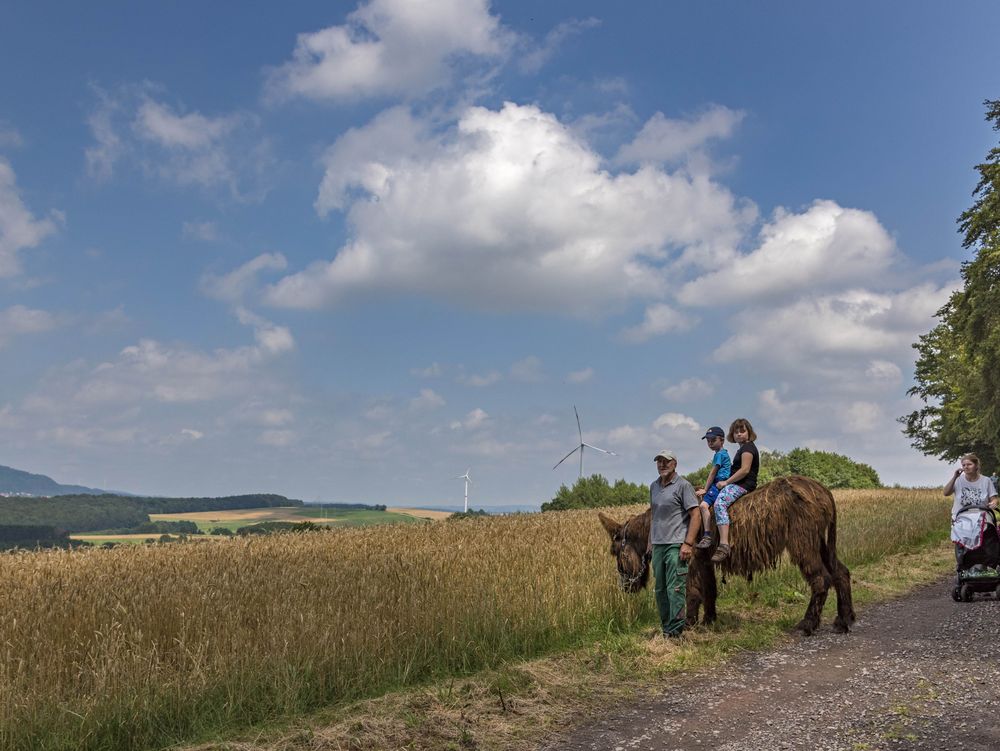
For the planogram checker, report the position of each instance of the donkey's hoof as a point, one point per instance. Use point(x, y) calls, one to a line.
point(806, 626)
point(840, 627)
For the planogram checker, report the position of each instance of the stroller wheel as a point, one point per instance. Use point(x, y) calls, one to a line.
point(956, 594)
point(966, 593)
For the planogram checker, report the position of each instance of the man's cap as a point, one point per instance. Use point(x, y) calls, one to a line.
point(714, 432)
point(666, 454)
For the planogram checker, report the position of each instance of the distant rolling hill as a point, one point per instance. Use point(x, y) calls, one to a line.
point(18, 481)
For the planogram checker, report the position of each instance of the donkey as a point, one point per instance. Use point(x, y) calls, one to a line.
point(792, 513)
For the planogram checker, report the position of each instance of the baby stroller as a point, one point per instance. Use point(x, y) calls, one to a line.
point(977, 552)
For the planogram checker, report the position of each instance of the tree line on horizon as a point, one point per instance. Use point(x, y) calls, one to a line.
point(93, 513)
point(833, 470)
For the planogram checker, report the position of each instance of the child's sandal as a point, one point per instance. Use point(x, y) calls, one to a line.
point(721, 554)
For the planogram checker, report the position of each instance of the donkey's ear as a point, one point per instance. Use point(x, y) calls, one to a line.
point(610, 524)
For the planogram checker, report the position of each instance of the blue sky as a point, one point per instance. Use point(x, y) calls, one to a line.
point(346, 251)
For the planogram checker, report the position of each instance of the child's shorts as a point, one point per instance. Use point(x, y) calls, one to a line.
point(710, 495)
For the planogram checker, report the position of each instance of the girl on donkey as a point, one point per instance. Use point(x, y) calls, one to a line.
point(746, 465)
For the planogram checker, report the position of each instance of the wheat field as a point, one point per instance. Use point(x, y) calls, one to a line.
point(141, 647)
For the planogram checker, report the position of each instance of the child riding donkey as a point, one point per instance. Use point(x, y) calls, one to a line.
point(721, 469)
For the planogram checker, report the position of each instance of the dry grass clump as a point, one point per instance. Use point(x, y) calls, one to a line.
point(140, 647)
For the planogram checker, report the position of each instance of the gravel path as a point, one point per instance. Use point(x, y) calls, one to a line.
point(919, 673)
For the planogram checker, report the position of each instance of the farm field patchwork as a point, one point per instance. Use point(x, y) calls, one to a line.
point(421, 513)
point(237, 518)
point(144, 646)
point(234, 519)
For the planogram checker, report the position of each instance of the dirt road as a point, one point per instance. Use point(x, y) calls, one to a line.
point(920, 673)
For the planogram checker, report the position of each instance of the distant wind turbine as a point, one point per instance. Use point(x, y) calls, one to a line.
point(582, 445)
point(468, 482)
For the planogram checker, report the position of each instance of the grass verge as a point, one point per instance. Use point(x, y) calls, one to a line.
point(520, 703)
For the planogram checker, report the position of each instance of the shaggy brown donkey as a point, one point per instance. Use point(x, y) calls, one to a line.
point(793, 513)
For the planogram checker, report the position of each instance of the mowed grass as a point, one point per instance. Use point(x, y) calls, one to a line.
point(142, 647)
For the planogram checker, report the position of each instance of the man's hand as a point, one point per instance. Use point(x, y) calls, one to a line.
point(700, 492)
point(649, 548)
point(686, 551)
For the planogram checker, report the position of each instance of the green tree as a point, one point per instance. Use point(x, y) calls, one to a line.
point(470, 514)
point(833, 470)
point(595, 491)
point(958, 365)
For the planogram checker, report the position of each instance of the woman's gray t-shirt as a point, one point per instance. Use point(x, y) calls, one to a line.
point(671, 504)
point(976, 493)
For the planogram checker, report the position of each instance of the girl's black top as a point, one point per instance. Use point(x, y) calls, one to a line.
point(749, 482)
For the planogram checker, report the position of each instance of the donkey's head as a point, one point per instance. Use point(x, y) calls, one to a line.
point(628, 545)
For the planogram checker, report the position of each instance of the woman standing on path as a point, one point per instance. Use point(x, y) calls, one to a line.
point(971, 490)
point(970, 487)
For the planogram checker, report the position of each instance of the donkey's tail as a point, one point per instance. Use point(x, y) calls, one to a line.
point(828, 548)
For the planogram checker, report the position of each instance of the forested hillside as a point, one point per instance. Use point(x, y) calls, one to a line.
point(18, 481)
point(89, 513)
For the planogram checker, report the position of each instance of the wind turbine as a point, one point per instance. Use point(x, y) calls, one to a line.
point(468, 482)
point(580, 448)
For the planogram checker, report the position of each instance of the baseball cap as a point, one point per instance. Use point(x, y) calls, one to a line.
point(666, 454)
point(714, 432)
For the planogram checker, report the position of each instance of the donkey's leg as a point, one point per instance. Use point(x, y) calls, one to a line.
point(711, 591)
point(845, 600)
point(841, 581)
point(818, 578)
point(695, 592)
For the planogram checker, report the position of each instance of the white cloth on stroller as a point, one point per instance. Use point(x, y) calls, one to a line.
point(968, 527)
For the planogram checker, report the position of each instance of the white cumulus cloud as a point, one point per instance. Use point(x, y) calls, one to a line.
point(218, 153)
point(688, 390)
point(674, 420)
point(856, 324)
point(235, 285)
point(663, 139)
point(428, 399)
point(19, 228)
point(884, 371)
point(475, 419)
point(389, 48)
point(481, 380)
point(826, 247)
point(659, 319)
point(18, 320)
point(509, 210)
point(826, 419)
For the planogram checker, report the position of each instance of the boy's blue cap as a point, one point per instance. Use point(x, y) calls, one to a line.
point(714, 432)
